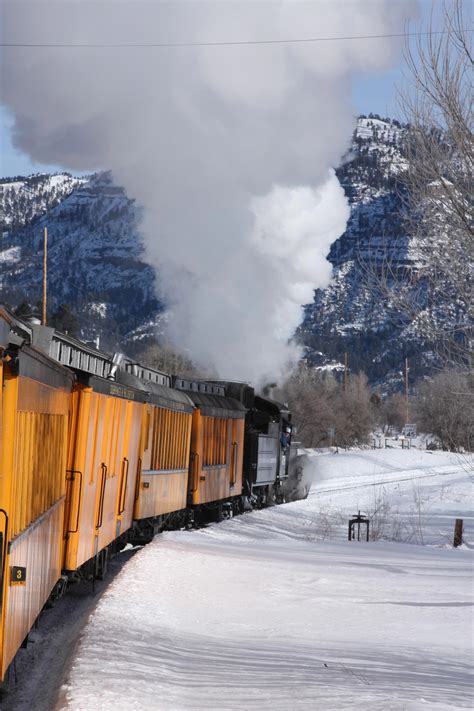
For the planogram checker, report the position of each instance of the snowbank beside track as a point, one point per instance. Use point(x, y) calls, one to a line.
point(272, 611)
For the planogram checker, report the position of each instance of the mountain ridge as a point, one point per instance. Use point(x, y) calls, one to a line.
point(97, 263)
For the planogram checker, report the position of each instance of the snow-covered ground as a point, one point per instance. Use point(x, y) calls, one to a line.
point(10, 255)
point(277, 610)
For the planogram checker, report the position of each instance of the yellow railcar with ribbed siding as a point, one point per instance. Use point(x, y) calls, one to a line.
point(98, 450)
point(163, 484)
point(217, 443)
point(35, 402)
point(103, 467)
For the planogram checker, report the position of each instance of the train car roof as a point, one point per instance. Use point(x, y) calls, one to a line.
point(84, 357)
point(129, 387)
point(120, 376)
point(73, 353)
point(238, 390)
point(12, 330)
point(218, 406)
point(163, 396)
point(36, 365)
point(156, 393)
point(28, 361)
point(210, 397)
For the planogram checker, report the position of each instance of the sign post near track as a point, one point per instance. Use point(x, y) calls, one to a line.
point(358, 519)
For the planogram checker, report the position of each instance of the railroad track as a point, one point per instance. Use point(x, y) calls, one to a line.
point(450, 468)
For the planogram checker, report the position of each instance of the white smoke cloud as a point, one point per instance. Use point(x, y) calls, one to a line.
point(227, 148)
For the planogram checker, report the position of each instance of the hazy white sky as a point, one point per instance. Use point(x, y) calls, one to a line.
point(371, 91)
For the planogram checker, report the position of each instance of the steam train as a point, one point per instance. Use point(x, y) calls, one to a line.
point(99, 451)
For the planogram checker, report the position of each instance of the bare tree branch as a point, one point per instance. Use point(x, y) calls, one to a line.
point(435, 287)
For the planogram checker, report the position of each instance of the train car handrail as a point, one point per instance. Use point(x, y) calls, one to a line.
point(79, 500)
point(4, 549)
point(194, 457)
point(138, 479)
point(100, 512)
point(234, 464)
point(123, 485)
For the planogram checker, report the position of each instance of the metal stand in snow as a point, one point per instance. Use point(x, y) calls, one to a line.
point(357, 521)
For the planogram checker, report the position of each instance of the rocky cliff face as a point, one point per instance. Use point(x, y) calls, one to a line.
point(356, 314)
point(94, 253)
point(96, 261)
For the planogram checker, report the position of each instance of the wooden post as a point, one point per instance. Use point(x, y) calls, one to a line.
point(458, 526)
point(45, 274)
point(406, 389)
point(346, 359)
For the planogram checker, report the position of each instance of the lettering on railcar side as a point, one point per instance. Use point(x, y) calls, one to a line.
point(120, 391)
point(168, 404)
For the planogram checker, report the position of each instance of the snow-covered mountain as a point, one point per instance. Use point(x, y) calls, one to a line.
point(96, 261)
point(94, 253)
point(356, 313)
point(22, 199)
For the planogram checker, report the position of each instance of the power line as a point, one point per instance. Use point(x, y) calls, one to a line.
point(131, 45)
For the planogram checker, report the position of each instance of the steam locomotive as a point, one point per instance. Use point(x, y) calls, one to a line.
point(97, 451)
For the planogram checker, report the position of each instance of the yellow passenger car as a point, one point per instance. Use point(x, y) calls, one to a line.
point(35, 401)
point(217, 444)
point(103, 466)
point(165, 453)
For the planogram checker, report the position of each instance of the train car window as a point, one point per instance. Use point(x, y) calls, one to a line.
point(215, 433)
point(39, 480)
point(169, 439)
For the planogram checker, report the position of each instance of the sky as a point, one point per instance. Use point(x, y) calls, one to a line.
point(371, 92)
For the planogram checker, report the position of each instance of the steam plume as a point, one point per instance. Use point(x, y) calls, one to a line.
point(229, 149)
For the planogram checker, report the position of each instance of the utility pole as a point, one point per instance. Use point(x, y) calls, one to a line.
point(346, 361)
point(45, 273)
point(406, 390)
